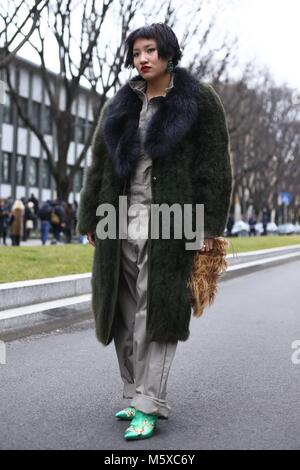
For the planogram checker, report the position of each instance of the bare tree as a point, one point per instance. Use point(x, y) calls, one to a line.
point(18, 21)
point(264, 128)
point(79, 58)
point(209, 62)
point(88, 51)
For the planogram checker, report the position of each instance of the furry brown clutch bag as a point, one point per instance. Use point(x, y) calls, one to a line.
point(207, 267)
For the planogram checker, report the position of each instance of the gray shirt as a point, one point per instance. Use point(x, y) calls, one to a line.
point(139, 189)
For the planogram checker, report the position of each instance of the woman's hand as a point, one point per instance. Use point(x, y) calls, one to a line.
point(91, 238)
point(207, 245)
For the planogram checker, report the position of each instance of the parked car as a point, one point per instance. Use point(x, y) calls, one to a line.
point(286, 229)
point(240, 228)
point(297, 229)
point(272, 228)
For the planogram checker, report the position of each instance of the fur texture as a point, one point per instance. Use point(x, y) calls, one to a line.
point(187, 139)
point(207, 269)
point(176, 114)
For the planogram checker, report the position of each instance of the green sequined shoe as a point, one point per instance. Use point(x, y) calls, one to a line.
point(142, 426)
point(127, 414)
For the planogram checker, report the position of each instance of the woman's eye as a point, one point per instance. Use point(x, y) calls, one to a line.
point(149, 50)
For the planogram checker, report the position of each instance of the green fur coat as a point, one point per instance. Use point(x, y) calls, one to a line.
point(187, 139)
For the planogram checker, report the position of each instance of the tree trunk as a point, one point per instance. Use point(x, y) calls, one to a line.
point(63, 189)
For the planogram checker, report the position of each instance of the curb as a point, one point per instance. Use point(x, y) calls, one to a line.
point(22, 293)
point(44, 322)
point(249, 267)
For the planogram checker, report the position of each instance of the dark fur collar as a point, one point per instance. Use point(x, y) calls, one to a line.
point(177, 112)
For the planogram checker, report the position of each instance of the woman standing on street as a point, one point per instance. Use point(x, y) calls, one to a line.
point(162, 138)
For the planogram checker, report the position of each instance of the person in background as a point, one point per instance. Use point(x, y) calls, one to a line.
point(75, 211)
point(4, 213)
point(265, 219)
point(230, 224)
point(9, 203)
point(16, 222)
point(44, 214)
point(29, 220)
point(252, 222)
point(57, 220)
point(35, 202)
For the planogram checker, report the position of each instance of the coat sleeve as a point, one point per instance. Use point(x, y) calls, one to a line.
point(212, 166)
point(88, 204)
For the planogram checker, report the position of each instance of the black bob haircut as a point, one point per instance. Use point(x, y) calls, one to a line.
point(167, 42)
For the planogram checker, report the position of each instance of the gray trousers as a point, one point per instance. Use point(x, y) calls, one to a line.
point(144, 366)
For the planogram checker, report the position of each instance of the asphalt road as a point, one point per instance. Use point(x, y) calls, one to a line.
point(233, 384)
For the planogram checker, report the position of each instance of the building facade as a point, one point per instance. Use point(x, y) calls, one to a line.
point(24, 168)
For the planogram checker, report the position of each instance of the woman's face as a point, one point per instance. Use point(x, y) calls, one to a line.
point(145, 55)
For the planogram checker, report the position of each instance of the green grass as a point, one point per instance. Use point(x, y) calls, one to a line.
point(242, 244)
point(36, 262)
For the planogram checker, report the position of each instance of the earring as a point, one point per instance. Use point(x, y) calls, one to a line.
point(170, 65)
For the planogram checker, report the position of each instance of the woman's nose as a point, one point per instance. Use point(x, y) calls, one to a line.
point(143, 60)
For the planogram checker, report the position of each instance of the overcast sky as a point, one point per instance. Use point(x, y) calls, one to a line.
point(267, 30)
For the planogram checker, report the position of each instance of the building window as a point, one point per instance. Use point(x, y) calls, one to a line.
point(23, 102)
point(78, 129)
point(7, 110)
point(47, 122)
point(34, 172)
point(46, 177)
point(6, 168)
point(36, 114)
point(20, 170)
